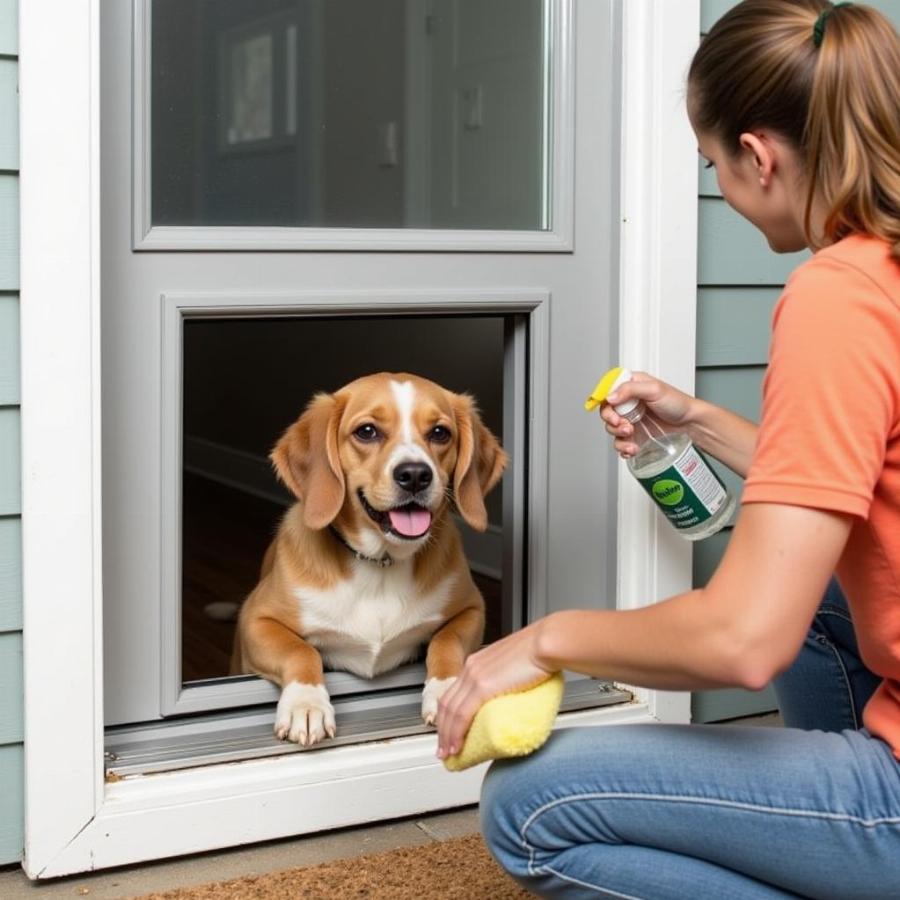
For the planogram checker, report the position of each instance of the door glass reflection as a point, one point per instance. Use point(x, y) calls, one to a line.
point(349, 113)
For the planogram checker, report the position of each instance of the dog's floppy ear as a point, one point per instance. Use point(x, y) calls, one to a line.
point(480, 463)
point(306, 459)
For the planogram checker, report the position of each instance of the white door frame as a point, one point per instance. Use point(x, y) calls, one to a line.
point(75, 821)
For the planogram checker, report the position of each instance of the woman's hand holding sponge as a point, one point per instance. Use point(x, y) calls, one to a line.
point(513, 724)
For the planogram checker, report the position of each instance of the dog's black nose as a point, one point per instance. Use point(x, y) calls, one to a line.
point(413, 476)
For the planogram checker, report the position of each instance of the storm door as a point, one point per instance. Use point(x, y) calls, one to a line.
point(299, 192)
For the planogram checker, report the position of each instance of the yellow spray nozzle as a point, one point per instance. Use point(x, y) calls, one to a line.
point(603, 388)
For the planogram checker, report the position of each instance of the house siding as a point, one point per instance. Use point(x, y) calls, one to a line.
point(11, 714)
point(738, 281)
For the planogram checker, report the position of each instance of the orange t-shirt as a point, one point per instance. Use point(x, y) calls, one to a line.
point(830, 436)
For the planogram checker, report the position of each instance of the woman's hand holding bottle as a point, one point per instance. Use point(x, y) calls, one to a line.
point(669, 406)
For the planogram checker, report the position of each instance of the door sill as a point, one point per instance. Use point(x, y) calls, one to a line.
point(242, 735)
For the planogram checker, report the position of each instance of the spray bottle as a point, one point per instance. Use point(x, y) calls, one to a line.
point(669, 467)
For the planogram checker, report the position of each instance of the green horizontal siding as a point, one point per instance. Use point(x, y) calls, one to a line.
point(713, 706)
point(10, 492)
point(737, 284)
point(707, 554)
point(9, 350)
point(10, 574)
point(736, 388)
point(9, 114)
point(891, 8)
point(9, 30)
point(12, 806)
point(709, 184)
point(9, 232)
point(731, 703)
point(732, 251)
point(11, 688)
point(739, 280)
point(733, 325)
point(710, 10)
point(12, 786)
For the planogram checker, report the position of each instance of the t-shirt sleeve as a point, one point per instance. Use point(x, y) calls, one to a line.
point(829, 395)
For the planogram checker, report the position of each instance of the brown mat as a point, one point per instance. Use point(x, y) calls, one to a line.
point(456, 869)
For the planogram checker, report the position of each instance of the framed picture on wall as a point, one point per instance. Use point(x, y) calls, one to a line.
point(248, 80)
point(257, 85)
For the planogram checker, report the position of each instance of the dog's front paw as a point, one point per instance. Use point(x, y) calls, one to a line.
point(305, 714)
point(434, 690)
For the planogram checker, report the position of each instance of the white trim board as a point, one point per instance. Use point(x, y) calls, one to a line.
point(194, 810)
point(658, 277)
point(60, 335)
point(74, 821)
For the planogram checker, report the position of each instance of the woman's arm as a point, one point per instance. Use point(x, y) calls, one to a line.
point(728, 437)
point(741, 630)
point(723, 434)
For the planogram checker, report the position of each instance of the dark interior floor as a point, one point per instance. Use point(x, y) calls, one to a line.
point(226, 532)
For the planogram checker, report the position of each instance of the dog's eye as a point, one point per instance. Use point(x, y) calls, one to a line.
point(367, 432)
point(439, 434)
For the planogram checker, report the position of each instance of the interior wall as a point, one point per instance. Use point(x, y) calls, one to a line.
point(486, 153)
point(363, 91)
point(246, 380)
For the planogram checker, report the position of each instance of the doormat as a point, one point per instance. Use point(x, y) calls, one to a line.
point(455, 869)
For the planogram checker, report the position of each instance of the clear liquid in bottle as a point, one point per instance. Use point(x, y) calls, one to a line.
point(678, 477)
point(670, 468)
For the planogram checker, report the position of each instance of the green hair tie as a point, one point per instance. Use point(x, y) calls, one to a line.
point(819, 27)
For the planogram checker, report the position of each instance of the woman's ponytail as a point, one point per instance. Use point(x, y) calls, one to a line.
point(827, 78)
point(852, 136)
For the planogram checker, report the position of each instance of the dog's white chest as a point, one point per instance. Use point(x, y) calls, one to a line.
point(373, 621)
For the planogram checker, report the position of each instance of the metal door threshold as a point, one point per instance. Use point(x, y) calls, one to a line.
point(184, 744)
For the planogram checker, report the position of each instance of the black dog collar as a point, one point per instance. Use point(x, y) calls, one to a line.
point(384, 562)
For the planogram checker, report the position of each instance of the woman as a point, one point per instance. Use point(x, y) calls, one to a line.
point(795, 103)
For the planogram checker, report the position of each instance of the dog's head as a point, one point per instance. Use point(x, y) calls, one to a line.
point(385, 453)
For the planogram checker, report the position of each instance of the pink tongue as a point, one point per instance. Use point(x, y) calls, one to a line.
point(410, 522)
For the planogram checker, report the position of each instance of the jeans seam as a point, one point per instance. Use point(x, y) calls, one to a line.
point(847, 686)
point(710, 801)
point(594, 887)
point(534, 869)
point(834, 611)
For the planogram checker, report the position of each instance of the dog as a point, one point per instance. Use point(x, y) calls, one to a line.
point(367, 566)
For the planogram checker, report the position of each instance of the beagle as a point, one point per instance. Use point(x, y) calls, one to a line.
point(367, 566)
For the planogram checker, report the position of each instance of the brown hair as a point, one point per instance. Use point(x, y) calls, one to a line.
point(838, 103)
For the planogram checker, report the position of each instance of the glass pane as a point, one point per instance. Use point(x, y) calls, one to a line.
point(349, 113)
point(231, 500)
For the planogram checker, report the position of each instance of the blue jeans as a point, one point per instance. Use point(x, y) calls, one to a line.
point(713, 811)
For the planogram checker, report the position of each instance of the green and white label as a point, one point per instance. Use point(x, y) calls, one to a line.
point(688, 492)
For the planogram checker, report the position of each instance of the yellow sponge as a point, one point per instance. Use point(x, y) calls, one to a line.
point(510, 725)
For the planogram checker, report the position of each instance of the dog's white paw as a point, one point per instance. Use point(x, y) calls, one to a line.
point(434, 690)
point(305, 714)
